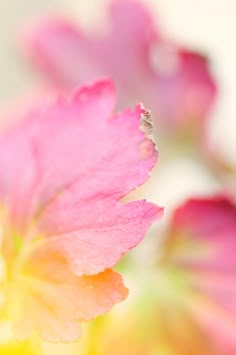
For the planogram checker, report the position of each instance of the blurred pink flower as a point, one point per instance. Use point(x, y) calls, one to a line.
point(206, 253)
point(172, 81)
point(64, 169)
point(186, 303)
point(200, 258)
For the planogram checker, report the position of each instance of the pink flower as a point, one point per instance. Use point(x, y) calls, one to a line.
point(200, 251)
point(172, 81)
point(64, 169)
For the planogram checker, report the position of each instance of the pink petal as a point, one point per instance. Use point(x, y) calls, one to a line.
point(187, 92)
point(211, 225)
point(20, 176)
point(202, 244)
point(18, 172)
point(198, 215)
point(85, 160)
point(60, 48)
point(175, 83)
point(94, 239)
